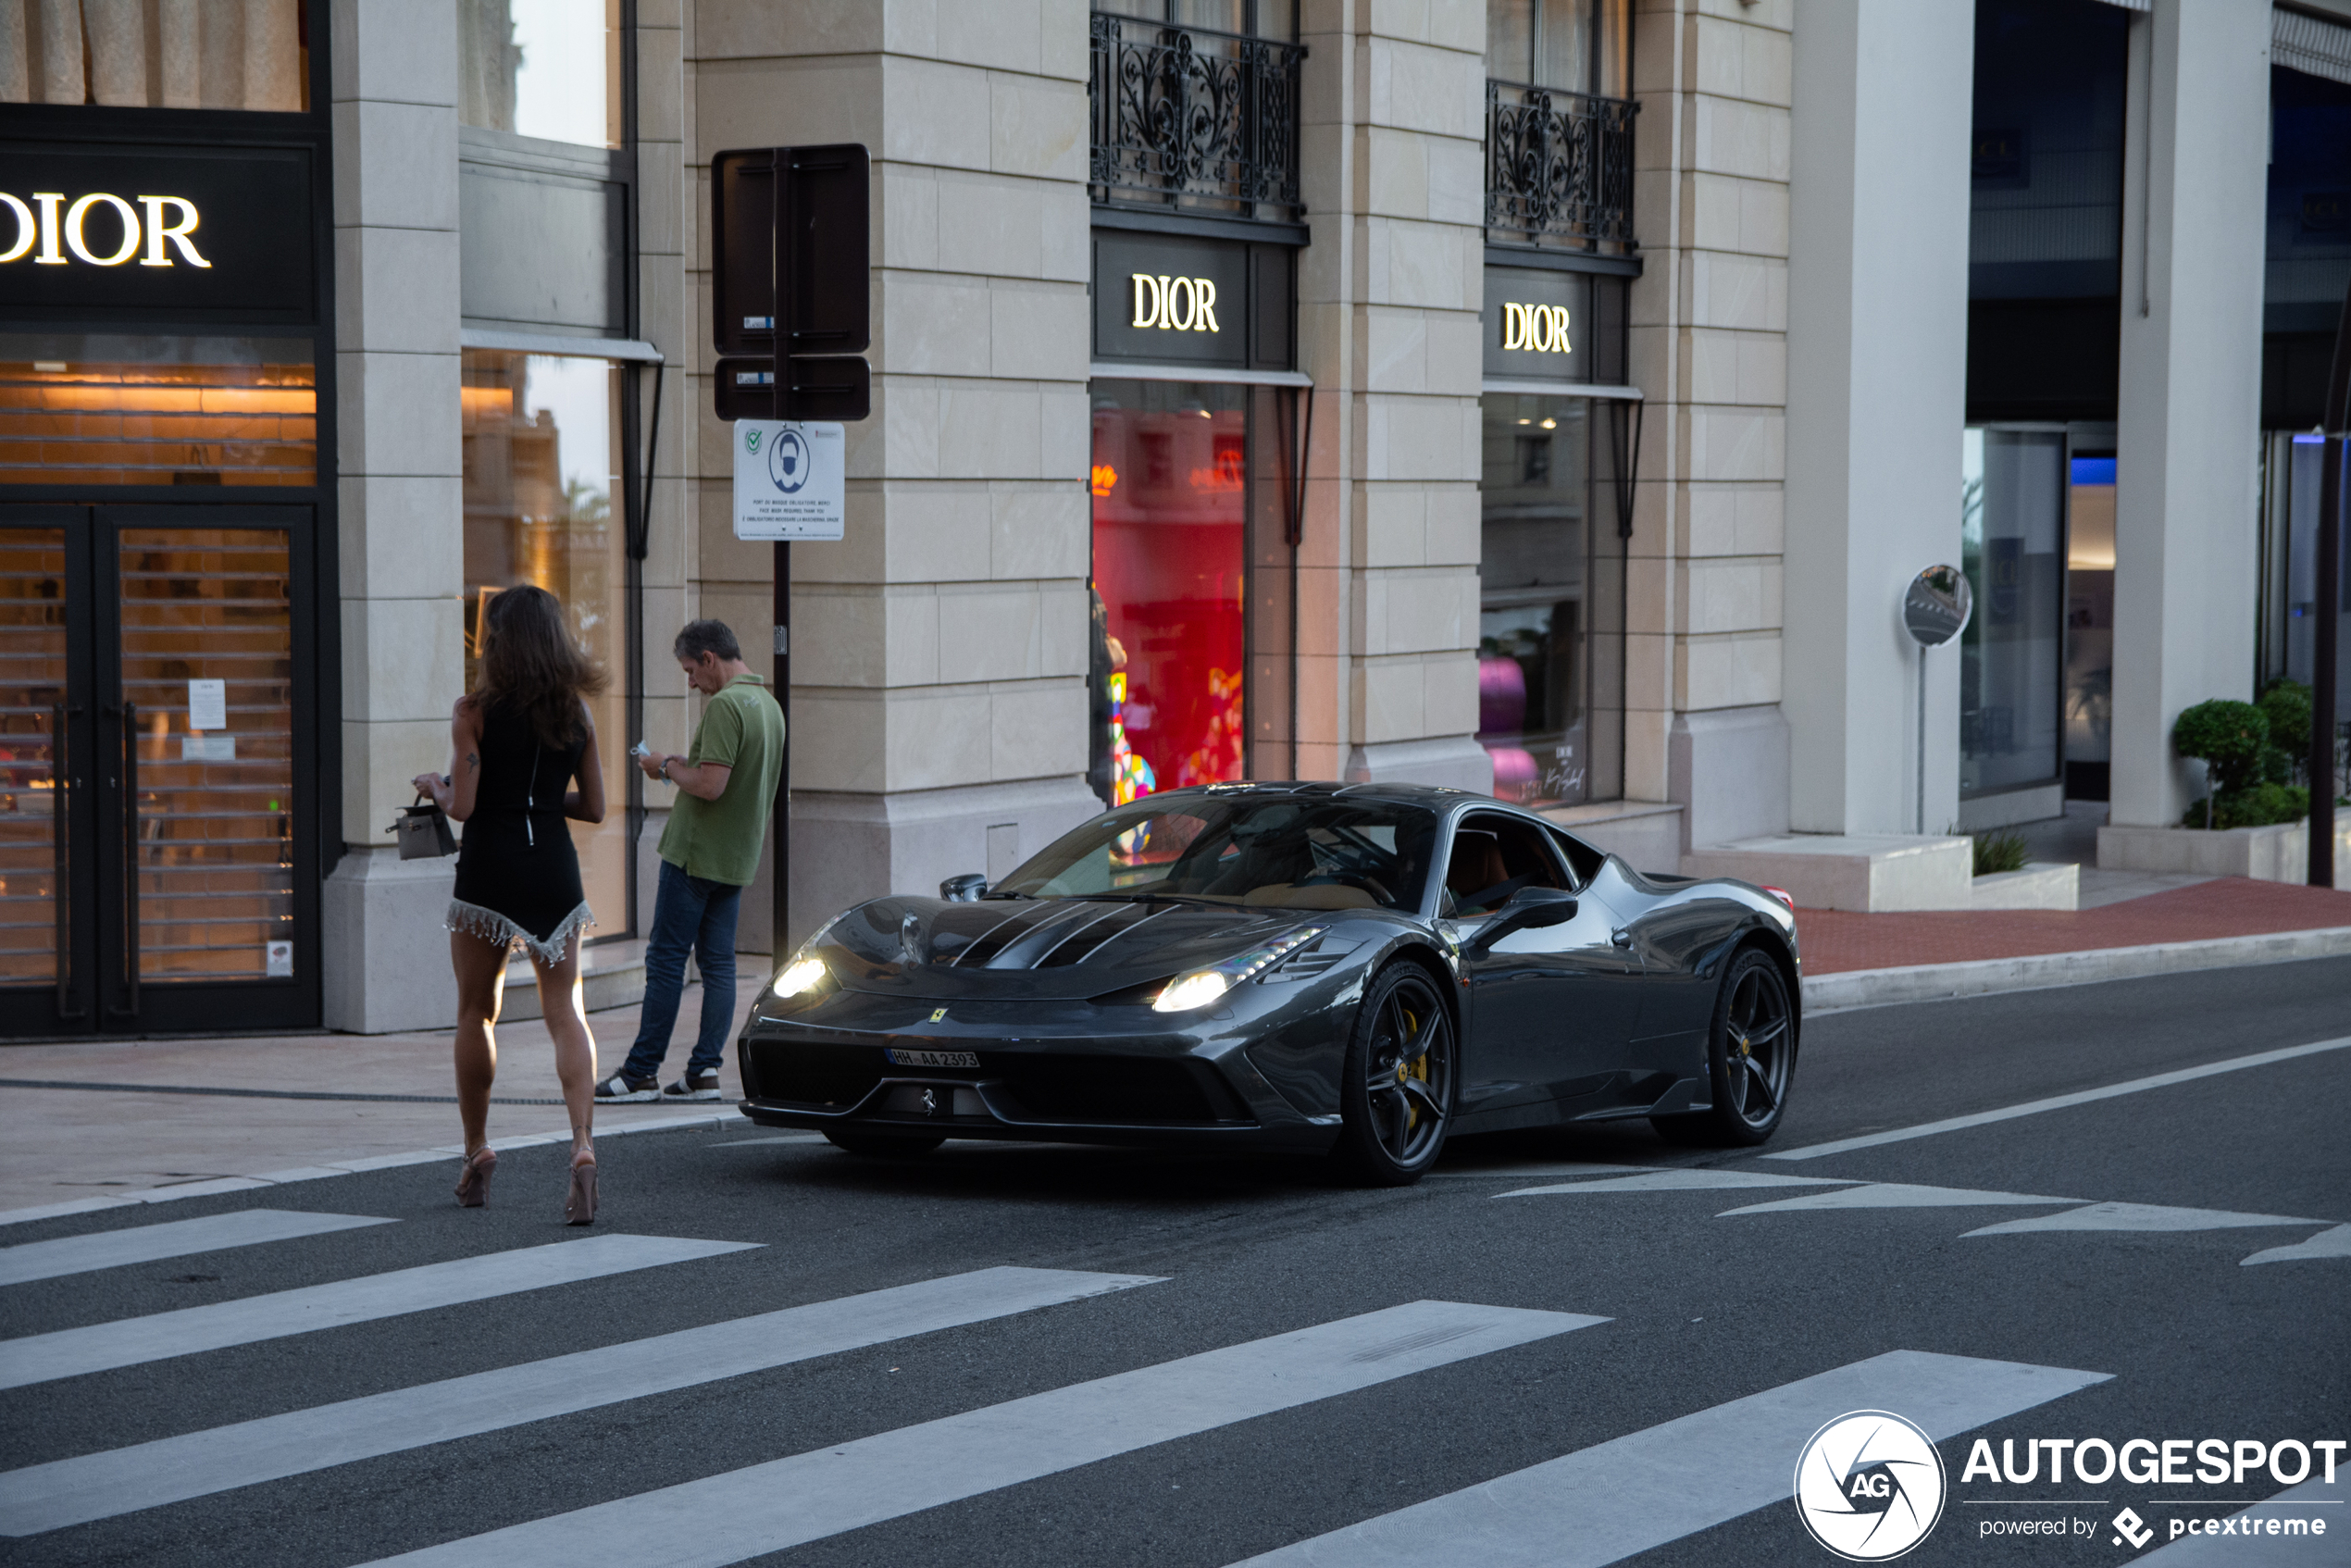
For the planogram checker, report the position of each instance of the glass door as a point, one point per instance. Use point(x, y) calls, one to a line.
point(159, 876)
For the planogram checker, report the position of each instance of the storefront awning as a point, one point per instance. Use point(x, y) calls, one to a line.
point(630, 349)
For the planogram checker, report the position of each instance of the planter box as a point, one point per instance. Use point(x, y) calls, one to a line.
point(2279, 852)
point(2038, 885)
point(1857, 872)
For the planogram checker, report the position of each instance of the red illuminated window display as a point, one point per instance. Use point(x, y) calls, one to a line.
point(1169, 480)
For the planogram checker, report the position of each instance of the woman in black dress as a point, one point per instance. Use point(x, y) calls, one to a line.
point(519, 740)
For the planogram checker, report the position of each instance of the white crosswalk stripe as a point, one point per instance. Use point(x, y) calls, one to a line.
point(100, 1485)
point(767, 1508)
point(1602, 1504)
point(29, 1260)
point(68, 1353)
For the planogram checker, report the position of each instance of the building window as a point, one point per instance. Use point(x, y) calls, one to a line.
point(531, 67)
point(542, 498)
point(158, 53)
point(1193, 576)
point(1578, 46)
point(103, 408)
point(2011, 655)
point(1550, 678)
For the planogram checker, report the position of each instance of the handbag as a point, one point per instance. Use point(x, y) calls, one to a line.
point(423, 829)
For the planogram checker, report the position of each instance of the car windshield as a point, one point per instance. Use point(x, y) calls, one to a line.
point(1271, 851)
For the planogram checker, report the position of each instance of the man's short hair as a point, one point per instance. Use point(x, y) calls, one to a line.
point(706, 637)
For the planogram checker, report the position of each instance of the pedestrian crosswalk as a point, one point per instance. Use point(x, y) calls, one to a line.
point(175, 1238)
point(1592, 1505)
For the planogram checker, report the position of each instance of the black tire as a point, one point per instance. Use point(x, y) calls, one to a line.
point(1398, 1084)
point(882, 1145)
point(1750, 1059)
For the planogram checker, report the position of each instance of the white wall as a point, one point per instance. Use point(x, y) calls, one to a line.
point(1877, 357)
point(2186, 500)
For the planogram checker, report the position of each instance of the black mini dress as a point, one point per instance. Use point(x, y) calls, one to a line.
point(517, 874)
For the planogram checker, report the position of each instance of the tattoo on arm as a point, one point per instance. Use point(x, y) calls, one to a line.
point(472, 762)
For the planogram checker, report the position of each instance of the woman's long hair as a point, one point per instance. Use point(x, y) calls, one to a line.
point(530, 667)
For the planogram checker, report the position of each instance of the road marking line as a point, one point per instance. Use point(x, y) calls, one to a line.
point(173, 1239)
point(1602, 1504)
point(100, 1485)
point(2060, 1101)
point(1679, 1182)
point(2335, 1243)
point(1562, 1168)
point(100, 1347)
point(2243, 1549)
point(777, 1138)
point(2138, 1217)
point(1899, 1195)
point(768, 1508)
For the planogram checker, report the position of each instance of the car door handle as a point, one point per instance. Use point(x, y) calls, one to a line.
point(1622, 939)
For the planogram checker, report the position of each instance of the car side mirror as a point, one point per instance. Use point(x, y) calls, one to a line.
point(1528, 909)
point(966, 889)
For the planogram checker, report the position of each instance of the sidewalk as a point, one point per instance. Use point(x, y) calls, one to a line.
point(120, 1135)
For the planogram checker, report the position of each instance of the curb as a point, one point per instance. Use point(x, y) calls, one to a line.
point(1932, 982)
point(341, 1167)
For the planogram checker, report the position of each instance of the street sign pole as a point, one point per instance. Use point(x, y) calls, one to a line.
point(791, 313)
point(2324, 663)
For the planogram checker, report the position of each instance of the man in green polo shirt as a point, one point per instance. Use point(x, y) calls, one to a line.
point(726, 796)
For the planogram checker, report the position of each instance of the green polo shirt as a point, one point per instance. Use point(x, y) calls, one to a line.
point(718, 840)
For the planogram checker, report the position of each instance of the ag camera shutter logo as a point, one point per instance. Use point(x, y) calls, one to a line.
point(1870, 1486)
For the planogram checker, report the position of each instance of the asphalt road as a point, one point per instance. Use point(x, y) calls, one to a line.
point(2124, 1322)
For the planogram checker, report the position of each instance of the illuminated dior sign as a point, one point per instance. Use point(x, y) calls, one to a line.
point(1535, 329)
point(168, 219)
point(1176, 304)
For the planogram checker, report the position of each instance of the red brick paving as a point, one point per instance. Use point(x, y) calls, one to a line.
point(1834, 941)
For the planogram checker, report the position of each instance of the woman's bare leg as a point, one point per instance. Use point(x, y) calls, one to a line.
point(575, 1047)
point(481, 987)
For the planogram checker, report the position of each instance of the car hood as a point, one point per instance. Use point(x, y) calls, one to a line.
point(1047, 949)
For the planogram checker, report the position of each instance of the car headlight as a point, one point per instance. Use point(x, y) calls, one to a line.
point(803, 974)
point(1197, 988)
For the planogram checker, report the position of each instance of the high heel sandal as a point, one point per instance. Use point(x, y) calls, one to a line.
point(473, 1178)
point(580, 1205)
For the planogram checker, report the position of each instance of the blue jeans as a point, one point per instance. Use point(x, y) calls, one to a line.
point(690, 915)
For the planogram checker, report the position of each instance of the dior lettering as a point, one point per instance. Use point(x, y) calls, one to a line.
point(1535, 329)
point(62, 233)
point(1175, 304)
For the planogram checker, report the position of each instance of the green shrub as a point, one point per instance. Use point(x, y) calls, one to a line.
point(2287, 705)
point(2256, 808)
point(1995, 853)
point(2230, 737)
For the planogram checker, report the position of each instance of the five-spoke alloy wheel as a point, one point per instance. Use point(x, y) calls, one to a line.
point(1397, 1095)
point(1750, 1058)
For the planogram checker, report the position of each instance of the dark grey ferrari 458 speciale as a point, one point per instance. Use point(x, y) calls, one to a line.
point(1358, 969)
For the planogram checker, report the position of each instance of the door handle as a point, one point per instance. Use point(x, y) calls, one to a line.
point(1622, 939)
point(129, 861)
point(61, 855)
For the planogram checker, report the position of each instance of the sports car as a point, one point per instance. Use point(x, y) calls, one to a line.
point(1362, 970)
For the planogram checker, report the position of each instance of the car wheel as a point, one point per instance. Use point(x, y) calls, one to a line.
point(1396, 1097)
point(882, 1145)
point(1750, 1059)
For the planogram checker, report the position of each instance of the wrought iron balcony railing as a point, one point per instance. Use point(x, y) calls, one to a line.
point(1189, 118)
point(1559, 167)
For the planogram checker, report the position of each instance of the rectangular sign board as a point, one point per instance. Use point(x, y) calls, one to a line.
point(789, 479)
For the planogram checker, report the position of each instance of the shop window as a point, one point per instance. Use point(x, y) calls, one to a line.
point(2011, 655)
point(106, 409)
point(548, 68)
point(1550, 679)
point(1262, 19)
point(1193, 583)
point(2089, 626)
point(544, 499)
point(159, 53)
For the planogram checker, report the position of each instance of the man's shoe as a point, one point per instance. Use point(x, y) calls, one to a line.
point(693, 1086)
point(620, 1086)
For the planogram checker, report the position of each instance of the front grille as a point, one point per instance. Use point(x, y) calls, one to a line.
point(811, 1073)
point(1103, 1088)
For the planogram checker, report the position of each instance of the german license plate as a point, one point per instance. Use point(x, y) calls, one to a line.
point(903, 1058)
